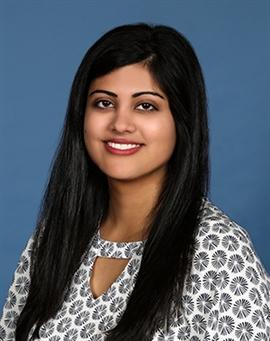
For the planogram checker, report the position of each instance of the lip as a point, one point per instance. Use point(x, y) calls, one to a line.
point(122, 140)
point(130, 151)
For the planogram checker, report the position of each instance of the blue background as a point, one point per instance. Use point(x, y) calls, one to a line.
point(42, 44)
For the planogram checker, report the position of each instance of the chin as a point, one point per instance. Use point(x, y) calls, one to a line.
point(122, 177)
point(121, 171)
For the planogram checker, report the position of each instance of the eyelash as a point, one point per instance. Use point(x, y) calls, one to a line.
point(102, 100)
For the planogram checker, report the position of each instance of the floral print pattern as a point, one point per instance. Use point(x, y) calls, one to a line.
point(226, 296)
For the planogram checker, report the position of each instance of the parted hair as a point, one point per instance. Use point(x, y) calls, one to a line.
point(76, 195)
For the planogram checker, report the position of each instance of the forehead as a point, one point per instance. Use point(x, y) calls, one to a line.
point(129, 78)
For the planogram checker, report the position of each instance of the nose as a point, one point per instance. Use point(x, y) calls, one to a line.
point(122, 120)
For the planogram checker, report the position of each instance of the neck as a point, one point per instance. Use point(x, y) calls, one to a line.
point(130, 204)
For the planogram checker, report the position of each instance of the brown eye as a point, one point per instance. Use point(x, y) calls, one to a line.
point(147, 107)
point(103, 104)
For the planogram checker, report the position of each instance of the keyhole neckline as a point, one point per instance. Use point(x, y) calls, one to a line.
point(133, 243)
point(108, 248)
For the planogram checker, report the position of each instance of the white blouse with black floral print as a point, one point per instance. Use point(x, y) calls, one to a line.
point(226, 296)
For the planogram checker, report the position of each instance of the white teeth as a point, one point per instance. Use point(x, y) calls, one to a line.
point(122, 146)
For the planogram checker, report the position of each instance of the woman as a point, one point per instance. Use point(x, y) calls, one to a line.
point(127, 245)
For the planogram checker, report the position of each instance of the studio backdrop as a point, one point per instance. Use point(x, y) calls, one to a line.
point(42, 43)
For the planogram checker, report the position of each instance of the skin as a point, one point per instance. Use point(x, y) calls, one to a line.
point(134, 180)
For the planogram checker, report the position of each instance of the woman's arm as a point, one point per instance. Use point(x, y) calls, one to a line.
point(227, 296)
point(244, 299)
point(17, 295)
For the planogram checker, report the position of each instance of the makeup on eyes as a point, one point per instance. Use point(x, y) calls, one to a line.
point(98, 101)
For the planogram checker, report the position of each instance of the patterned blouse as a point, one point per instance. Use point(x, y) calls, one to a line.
point(226, 297)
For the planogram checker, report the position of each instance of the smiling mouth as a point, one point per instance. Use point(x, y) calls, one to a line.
point(122, 146)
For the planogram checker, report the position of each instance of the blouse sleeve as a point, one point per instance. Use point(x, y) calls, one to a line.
point(17, 295)
point(243, 307)
point(226, 297)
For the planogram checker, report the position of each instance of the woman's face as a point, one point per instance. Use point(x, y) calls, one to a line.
point(129, 131)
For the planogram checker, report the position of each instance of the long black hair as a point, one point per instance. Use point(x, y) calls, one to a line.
point(76, 196)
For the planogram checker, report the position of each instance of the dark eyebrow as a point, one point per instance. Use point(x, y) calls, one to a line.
point(103, 91)
point(136, 94)
point(147, 93)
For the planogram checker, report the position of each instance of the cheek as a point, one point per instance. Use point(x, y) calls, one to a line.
point(86, 131)
point(90, 130)
point(88, 123)
point(92, 125)
point(164, 133)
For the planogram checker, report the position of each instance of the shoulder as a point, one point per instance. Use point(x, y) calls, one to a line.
point(228, 287)
point(226, 294)
point(17, 294)
point(27, 251)
point(225, 255)
point(218, 232)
